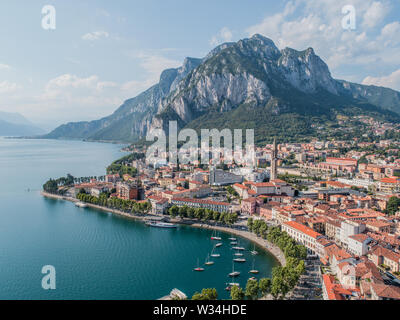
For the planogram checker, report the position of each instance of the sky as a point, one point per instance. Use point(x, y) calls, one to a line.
point(104, 52)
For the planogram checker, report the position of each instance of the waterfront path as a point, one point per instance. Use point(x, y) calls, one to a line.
point(265, 244)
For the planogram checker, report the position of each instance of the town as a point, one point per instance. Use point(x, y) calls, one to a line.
point(339, 199)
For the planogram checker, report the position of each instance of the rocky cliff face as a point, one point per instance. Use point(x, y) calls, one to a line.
point(251, 72)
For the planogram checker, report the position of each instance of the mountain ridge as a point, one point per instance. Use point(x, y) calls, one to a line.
point(252, 73)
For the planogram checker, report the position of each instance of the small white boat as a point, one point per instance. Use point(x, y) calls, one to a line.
point(232, 239)
point(218, 244)
point(234, 243)
point(81, 205)
point(238, 254)
point(214, 255)
point(254, 252)
point(241, 260)
point(215, 237)
point(208, 261)
point(253, 270)
point(198, 269)
point(160, 224)
point(238, 248)
point(234, 273)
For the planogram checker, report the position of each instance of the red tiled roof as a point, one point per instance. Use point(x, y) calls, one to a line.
point(302, 228)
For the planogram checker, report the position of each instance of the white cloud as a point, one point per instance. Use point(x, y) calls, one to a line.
point(4, 66)
point(224, 35)
point(390, 81)
point(8, 87)
point(318, 24)
point(96, 35)
point(375, 14)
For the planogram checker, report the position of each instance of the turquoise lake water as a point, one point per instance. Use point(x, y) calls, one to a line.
point(96, 255)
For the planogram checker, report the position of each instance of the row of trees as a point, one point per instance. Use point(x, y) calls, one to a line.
point(52, 185)
point(116, 203)
point(284, 279)
point(203, 214)
point(253, 289)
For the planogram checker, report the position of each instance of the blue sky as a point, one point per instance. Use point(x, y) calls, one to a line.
point(103, 52)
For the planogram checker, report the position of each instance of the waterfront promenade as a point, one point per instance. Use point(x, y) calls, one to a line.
point(264, 244)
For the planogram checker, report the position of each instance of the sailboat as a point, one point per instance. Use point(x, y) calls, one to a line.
point(253, 270)
point(254, 252)
point(199, 269)
point(208, 261)
point(238, 248)
point(214, 255)
point(238, 254)
point(241, 260)
point(219, 244)
point(214, 236)
point(234, 273)
point(232, 239)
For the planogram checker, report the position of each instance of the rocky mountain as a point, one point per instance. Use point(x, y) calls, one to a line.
point(247, 84)
point(14, 124)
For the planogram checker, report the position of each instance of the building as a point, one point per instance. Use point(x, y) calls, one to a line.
point(158, 205)
point(382, 256)
point(358, 244)
point(274, 162)
point(302, 234)
point(220, 177)
point(205, 204)
point(389, 185)
point(349, 228)
point(128, 191)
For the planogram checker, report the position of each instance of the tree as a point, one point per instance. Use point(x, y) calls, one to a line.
point(278, 287)
point(50, 186)
point(173, 211)
point(252, 289)
point(265, 285)
point(206, 294)
point(237, 293)
point(393, 205)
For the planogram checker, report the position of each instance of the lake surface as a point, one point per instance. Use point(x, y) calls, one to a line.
point(96, 255)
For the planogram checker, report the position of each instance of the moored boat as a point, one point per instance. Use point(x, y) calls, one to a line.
point(81, 205)
point(238, 248)
point(234, 273)
point(208, 261)
point(241, 260)
point(198, 268)
point(160, 224)
point(254, 252)
point(253, 270)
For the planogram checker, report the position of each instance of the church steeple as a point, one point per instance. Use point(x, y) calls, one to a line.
point(274, 162)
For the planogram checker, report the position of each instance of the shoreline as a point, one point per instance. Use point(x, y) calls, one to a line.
point(264, 244)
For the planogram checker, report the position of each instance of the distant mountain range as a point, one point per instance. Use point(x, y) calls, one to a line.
point(14, 124)
point(244, 84)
